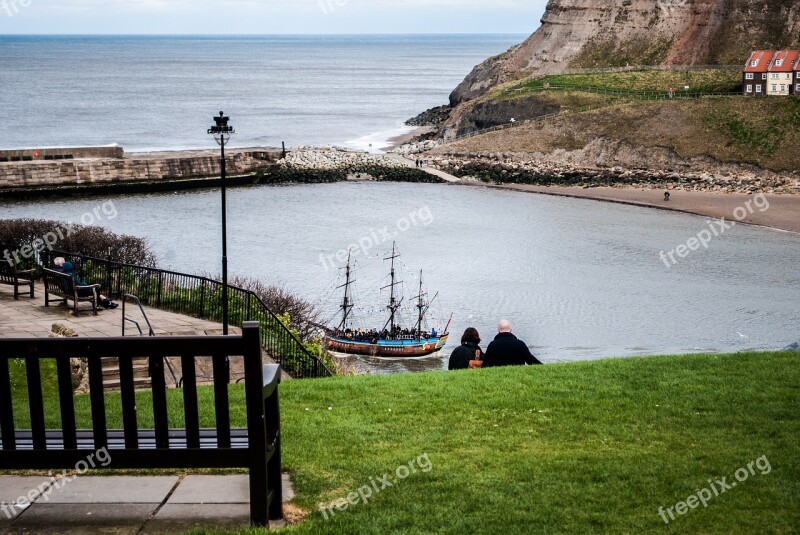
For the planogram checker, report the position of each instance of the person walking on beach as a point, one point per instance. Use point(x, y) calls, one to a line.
point(469, 353)
point(507, 350)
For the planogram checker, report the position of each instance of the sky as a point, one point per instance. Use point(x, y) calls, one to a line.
point(223, 17)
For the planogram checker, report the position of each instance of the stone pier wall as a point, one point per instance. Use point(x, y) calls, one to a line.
point(144, 168)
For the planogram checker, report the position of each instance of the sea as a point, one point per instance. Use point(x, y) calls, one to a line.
point(160, 93)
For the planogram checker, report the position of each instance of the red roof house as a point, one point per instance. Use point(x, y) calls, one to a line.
point(781, 77)
point(754, 76)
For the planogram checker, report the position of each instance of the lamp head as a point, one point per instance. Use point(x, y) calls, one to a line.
point(221, 126)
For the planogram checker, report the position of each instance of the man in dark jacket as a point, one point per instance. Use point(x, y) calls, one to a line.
point(507, 350)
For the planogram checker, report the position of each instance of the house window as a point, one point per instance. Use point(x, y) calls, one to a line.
point(783, 88)
point(749, 76)
point(797, 89)
point(758, 89)
point(749, 88)
point(774, 76)
point(774, 87)
point(778, 62)
point(754, 63)
point(764, 76)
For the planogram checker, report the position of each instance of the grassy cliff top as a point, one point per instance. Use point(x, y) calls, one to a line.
point(708, 81)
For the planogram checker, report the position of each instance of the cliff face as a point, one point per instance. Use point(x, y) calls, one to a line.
point(611, 33)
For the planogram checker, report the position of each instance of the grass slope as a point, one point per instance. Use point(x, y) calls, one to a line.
point(760, 131)
point(564, 448)
point(632, 107)
point(567, 448)
point(701, 81)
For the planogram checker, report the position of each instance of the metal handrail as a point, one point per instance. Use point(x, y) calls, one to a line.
point(200, 297)
point(151, 332)
point(125, 299)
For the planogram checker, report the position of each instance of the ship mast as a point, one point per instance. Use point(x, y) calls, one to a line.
point(347, 304)
point(420, 307)
point(394, 305)
point(423, 307)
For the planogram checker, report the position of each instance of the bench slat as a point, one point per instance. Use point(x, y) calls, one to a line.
point(98, 401)
point(191, 411)
point(66, 402)
point(128, 397)
point(160, 414)
point(121, 459)
point(6, 407)
point(35, 400)
point(146, 439)
point(221, 367)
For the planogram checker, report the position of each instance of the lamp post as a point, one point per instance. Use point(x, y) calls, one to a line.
point(222, 134)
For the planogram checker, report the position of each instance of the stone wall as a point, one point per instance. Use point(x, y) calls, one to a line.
point(61, 153)
point(82, 172)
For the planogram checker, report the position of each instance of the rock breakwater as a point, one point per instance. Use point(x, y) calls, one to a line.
point(524, 168)
point(334, 164)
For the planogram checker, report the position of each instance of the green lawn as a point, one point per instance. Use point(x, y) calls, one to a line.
point(565, 448)
point(710, 81)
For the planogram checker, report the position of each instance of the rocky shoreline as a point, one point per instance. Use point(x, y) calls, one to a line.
point(569, 169)
point(435, 117)
point(334, 164)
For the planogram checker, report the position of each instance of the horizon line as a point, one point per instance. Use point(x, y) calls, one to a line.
point(250, 34)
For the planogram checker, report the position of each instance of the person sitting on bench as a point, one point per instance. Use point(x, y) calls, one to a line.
point(104, 302)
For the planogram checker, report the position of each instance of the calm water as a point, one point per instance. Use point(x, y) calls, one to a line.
point(580, 279)
point(161, 92)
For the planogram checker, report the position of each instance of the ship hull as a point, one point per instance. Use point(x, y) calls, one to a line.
point(391, 349)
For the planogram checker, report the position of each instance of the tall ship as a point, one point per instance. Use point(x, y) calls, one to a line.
point(389, 339)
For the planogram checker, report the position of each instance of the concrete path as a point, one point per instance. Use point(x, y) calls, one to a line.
point(126, 505)
point(29, 318)
point(430, 170)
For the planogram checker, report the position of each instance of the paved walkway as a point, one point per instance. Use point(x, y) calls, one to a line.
point(430, 170)
point(29, 318)
point(126, 505)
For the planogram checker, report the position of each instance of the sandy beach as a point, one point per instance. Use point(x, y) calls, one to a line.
point(783, 212)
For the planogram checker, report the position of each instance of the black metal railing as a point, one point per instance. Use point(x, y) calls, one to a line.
point(200, 297)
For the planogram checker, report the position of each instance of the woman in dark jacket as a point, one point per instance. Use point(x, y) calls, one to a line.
point(467, 352)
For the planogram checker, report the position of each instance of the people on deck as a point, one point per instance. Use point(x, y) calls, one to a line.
point(469, 354)
point(507, 350)
point(103, 301)
point(58, 264)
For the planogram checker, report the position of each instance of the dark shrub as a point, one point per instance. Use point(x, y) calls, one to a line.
point(16, 234)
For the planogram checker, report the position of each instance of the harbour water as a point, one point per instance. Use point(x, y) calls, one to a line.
point(580, 279)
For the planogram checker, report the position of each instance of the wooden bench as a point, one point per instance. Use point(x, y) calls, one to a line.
point(9, 274)
point(256, 447)
point(63, 286)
